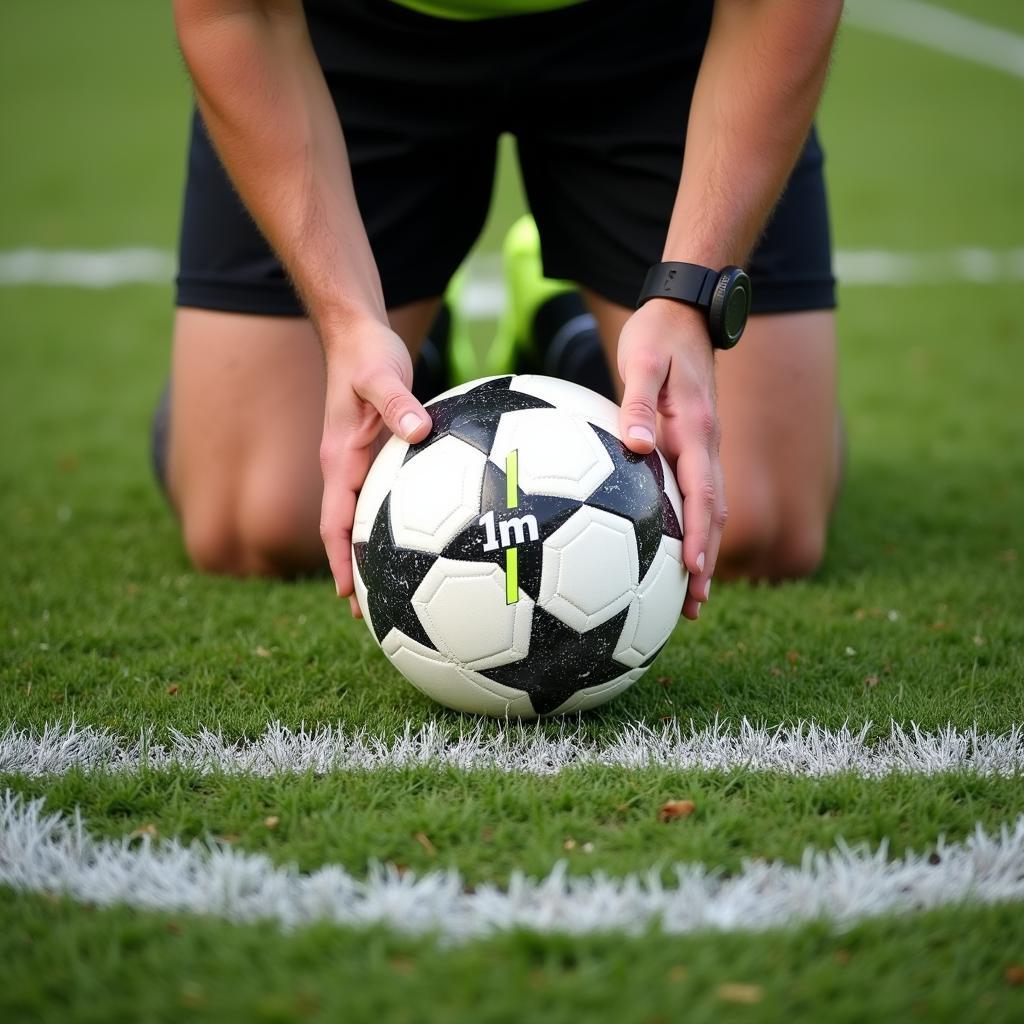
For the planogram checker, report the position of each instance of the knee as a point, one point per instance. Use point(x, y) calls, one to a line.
point(211, 542)
point(799, 553)
point(266, 539)
point(772, 544)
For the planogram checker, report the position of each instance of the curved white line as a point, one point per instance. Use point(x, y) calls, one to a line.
point(55, 854)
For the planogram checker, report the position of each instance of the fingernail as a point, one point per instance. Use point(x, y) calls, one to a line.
point(700, 562)
point(707, 589)
point(639, 433)
point(697, 616)
point(408, 424)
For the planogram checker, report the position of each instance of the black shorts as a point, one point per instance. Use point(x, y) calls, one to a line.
point(596, 96)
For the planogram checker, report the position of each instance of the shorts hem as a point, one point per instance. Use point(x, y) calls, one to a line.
point(277, 298)
point(405, 293)
point(606, 287)
point(267, 298)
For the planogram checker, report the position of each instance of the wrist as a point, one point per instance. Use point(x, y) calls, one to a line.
point(716, 253)
point(683, 327)
point(343, 325)
point(677, 316)
point(722, 296)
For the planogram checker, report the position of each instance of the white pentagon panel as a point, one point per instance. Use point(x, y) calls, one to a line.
point(376, 487)
point(590, 568)
point(436, 494)
point(595, 696)
point(458, 688)
point(361, 597)
point(462, 608)
point(559, 453)
point(571, 397)
point(655, 612)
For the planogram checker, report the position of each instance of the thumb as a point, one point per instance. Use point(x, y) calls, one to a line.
point(642, 382)
point(402, 414)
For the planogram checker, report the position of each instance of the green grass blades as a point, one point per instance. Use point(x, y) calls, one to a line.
point(62, 962)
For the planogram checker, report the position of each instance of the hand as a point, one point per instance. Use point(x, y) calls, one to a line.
point(369, 374)
point(666, 362)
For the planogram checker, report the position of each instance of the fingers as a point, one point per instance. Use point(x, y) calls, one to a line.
point(643, 377)
point(697, 484)
point(695, 433)
point(699, 589)
point(344, 469)
point(691, 608)
point(386, 390)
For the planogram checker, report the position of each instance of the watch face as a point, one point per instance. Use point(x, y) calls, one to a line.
point(737, 308)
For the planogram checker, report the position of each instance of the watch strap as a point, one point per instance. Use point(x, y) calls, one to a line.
point(684, 282)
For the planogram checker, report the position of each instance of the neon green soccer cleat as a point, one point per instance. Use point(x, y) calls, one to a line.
point(527, 289)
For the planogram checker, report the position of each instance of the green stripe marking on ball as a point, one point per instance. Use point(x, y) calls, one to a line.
point(511, 501)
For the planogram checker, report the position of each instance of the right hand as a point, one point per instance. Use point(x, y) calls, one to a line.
point(369, 374)
point(667, 365)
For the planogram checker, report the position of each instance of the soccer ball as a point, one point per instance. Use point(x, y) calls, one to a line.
point(520, 560)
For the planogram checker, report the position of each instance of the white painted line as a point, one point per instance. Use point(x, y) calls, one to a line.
point(942, 30)
point(972, 264)
point(80, 268)
point(805, 749)
point(483, 295)
point(55, 854)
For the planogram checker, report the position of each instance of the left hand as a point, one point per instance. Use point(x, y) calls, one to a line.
point(369, 376)
point(667, 364)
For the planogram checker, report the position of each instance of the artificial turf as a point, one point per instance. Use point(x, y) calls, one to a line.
point(917, 614)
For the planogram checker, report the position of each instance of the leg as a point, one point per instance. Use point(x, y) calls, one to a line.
point(246, 417)
point(780, 444)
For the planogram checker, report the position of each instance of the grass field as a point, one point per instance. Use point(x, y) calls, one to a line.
point(917, 615)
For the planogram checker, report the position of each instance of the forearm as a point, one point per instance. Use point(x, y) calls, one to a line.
point(269, 113)
point(755, 98)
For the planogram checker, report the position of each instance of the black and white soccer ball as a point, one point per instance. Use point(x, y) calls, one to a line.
point(520, 560)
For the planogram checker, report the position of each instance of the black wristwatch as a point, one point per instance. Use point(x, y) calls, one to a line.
point(724, 295)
